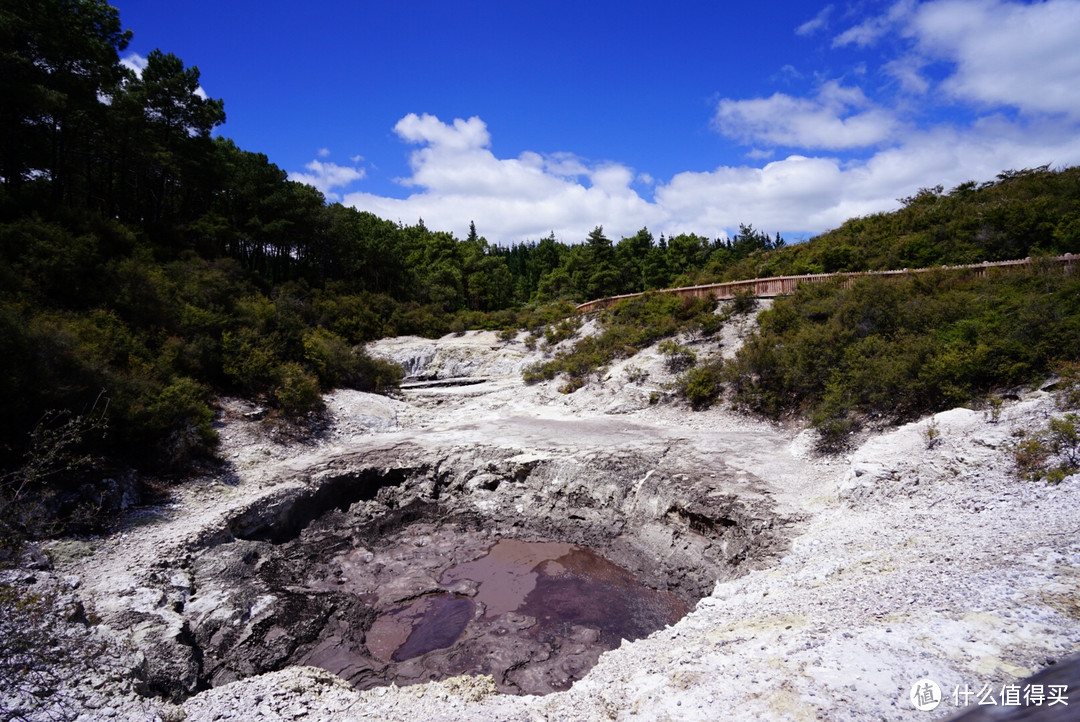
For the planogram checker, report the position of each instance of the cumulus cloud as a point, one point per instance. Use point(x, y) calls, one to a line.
point(328, 176)
point(1011, 54)
point(870, 30)
point(998, 53)
point(838, 117)
point(814, 194)
point(818, 22)
point(459, 179)
point(849, 147)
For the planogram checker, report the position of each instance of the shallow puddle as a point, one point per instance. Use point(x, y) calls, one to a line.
point(582, 588)
point(565, 598)
point(424, 625)
point(507, 573)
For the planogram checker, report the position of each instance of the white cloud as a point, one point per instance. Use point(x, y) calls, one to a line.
point(851, 148)
point(1018, 55)
point(137, 64)
point(907, 71)
point(839, 117)
point(462, 136)
point(999, 53)
point(323, 153)
point(783, 194)
point(328, 176)
point(813, 194)
point(818, 22)
point(459, 179)
point(870, 30)
point(134, 62)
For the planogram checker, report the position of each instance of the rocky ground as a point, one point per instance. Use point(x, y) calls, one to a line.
point(821, 587)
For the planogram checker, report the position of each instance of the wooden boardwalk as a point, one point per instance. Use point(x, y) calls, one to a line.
point(786, 285)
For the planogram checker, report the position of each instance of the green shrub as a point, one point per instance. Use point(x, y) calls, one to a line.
point(835, 433)
point(743, 302)
point(1052, 453)
point(249, 360)
point(678, 358)
point(636, 374)
point(892, 349)
point(177, 420)
point(702, 385)
point(329, 356)
point(297, 390)
point(932, 434)
point(708, 324)
point(373, 374)
point(627, 327)
point(1063, 438)
point(562, 331)
point(1068, 396)
point(61, 447)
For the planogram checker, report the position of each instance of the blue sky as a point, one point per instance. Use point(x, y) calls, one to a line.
point(532, 118)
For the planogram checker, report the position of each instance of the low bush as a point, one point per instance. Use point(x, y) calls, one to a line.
point(61, 447)
point(636, 374)
point(677, 358)
point(627, 327)
point(835, 433)
point(702, 385)
point(1052, 453)
point(564, 330)
point(297, 390)
point(743, 302)
point(891, 350)
point(1068, 396)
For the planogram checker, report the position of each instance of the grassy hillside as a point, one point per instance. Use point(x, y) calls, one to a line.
point(1019, 214)
point(888, 350)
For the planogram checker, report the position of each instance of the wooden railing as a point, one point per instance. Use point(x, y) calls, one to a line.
point(785, 285)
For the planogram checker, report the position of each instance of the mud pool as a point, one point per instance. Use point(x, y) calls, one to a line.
point(450, 600)
point(547, 592)
point(394, 567)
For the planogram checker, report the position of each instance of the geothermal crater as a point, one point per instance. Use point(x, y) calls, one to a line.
point(477, 561)
point(447, 530)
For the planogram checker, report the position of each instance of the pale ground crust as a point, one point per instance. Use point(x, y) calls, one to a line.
point(911, 562)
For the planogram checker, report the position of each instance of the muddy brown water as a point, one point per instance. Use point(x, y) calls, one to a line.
point(416, 595)
point(550, 592)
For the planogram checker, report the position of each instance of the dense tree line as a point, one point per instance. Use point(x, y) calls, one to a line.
point(147, 265)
